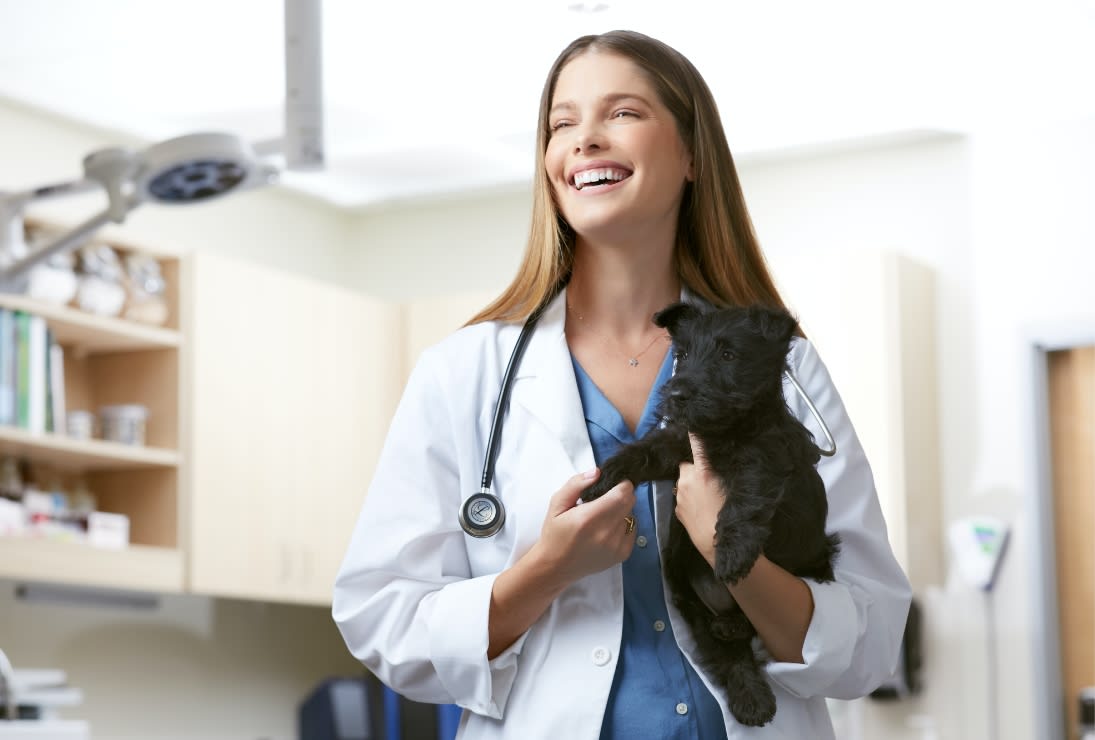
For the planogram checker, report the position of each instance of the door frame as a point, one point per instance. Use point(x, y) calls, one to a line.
point(1045, 618)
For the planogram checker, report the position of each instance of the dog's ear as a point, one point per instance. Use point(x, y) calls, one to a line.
point(675, 315)
point(775, 324)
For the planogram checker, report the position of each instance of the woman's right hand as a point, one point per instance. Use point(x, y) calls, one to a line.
point(579, 538)
point(575, 541)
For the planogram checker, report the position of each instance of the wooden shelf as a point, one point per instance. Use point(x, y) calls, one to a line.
point(92, 334)
point(86, 455)
point(136, 567)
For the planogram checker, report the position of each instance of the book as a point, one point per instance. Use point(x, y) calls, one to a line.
point(22, 369)
point(37, 349)
point(57, 387)
point(7, 367)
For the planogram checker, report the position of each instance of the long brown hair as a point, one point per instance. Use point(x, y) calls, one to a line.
point(717, 254)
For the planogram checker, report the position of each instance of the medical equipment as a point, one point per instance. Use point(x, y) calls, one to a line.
point(186, 169)
point(979, 544)
point(483, 514)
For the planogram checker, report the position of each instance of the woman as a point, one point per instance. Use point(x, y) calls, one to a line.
point(558, 626)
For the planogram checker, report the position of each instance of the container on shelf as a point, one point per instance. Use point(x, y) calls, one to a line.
point(124, 423)
point(80, 424)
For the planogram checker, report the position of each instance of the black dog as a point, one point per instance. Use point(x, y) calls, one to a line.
point(728, 391)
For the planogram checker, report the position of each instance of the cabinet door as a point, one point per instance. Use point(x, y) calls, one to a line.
point(871, 316)
point(292, 383)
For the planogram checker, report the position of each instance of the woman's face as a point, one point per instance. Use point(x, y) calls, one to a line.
point(615, 158)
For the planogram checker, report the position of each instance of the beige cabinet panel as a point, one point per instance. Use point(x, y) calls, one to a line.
point(292, 384)
point(871, 315)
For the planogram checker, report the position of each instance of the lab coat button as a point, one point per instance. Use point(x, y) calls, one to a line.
point(640, 541)
point(659, 625)
point(682, 708)
point(601, 656)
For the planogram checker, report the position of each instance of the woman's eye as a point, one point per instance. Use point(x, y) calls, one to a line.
point(559, 124)
point(728, 355)
point(621, 113)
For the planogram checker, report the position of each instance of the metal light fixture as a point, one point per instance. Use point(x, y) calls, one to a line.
point(188, 169)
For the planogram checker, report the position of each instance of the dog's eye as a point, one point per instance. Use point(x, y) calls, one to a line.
point(680, 354)
point(728, 355)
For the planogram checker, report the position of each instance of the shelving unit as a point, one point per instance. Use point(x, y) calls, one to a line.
point(109, 361)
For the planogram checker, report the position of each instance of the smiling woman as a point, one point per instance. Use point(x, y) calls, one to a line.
point(636, 205)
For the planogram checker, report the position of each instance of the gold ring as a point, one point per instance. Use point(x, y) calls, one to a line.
point(629, 520)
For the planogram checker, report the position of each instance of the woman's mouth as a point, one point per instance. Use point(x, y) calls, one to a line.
point(599, 177)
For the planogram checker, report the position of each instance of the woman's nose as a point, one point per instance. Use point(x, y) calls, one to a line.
point(590, 138)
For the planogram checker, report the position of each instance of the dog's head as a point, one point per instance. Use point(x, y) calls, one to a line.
point(728, 361)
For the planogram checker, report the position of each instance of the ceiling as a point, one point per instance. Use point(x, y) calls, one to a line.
point(429, 98)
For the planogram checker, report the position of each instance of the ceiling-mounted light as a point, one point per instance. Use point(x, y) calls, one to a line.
point(187, 169)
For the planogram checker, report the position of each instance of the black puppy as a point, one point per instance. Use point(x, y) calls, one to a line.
point(728, 392)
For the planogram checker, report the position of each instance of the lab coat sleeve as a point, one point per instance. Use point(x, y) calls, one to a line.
point(404, 598)
point(854, 636)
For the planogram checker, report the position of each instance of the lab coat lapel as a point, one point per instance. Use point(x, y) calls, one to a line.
point(546, 387)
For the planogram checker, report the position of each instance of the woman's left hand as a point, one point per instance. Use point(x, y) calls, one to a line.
point(699, 500)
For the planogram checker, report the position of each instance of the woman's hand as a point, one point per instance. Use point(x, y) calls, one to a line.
point(575, 541)
point(577, 538)
point(699, 499)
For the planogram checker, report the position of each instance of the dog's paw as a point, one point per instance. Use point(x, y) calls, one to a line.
point(598, 489)
point(754, 707)
point(733, 564)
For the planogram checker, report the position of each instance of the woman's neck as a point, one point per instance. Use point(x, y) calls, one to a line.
point(618, 289)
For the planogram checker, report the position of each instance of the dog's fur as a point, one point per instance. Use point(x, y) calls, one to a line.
point(728, 392)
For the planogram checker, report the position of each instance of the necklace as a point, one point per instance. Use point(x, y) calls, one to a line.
point(632, 360)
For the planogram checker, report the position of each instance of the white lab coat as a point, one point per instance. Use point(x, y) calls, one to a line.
point(413, 594)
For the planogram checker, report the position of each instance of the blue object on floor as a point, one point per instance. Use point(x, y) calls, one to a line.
point(448, 721)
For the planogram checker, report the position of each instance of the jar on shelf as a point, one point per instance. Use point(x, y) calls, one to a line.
point(124, 423)
point(146, 287)
point(100, 290)
point(80, 424)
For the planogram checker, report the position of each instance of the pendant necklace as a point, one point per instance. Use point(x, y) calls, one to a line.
point(632, 360)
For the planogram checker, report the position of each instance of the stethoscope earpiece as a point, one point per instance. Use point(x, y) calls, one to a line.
point(482, 515)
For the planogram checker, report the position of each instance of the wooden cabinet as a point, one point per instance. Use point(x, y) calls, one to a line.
point(109, 361)
point(290, 386)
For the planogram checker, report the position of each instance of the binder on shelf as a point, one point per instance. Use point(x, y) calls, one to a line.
point(7, 367)
point(37, 347)
point(22, 369)
point(57, 410)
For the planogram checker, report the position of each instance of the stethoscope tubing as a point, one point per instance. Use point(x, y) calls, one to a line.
point(483, 514)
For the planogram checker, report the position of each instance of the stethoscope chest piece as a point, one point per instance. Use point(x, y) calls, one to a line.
point(482, 515)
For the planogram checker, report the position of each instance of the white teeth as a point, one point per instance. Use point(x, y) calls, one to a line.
point(587, 176)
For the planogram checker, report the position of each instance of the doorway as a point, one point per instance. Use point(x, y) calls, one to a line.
point(1070, 376)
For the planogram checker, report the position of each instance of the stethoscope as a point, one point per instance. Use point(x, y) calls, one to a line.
point(482, 514)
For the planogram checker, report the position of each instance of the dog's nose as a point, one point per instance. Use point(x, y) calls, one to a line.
point(679, 394)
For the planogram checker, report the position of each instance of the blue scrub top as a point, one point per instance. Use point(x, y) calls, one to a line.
point(655, 692)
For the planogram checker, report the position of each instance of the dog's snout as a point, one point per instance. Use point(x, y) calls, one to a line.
point(679, 394)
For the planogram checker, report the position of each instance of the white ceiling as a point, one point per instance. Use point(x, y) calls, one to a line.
point(428, 98)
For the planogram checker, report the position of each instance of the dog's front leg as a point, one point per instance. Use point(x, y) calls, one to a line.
point(744, 523)
point(657, 456)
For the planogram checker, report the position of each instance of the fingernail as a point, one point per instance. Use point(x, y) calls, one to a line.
point(591, 473)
